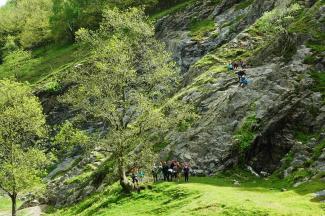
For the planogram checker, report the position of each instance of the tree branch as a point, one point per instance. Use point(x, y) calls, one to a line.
point(2, 188)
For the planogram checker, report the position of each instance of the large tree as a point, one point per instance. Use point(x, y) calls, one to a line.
point(70, 15)
point(126, 83)
point(22, 125)
point(27, 21)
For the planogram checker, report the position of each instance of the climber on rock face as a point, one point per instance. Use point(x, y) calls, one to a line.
point(242, 64)
point(235, 65)
point(230, 67)
point(243, 81)
point(240, 74)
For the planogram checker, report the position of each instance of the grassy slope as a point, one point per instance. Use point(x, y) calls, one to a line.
point(171, 10)
point(46, 62)
point(204, 196)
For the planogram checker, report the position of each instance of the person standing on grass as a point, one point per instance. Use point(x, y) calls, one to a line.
point(165, 168)
point(186, 171)
point(177, 170)
point(171, 170)
point(141, 175)
point(160, 171)
point(155, 173)
point(134, 177)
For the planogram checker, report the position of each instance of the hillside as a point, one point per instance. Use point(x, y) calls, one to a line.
point(114, 101)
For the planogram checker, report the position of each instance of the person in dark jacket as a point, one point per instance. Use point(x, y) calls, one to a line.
point(165, 168)
point(135, 179)
point(240, 74)
point(186, 171)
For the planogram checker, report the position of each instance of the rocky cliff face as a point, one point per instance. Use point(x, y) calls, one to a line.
point(274, 123)
point(229, 17)
point(256, 124)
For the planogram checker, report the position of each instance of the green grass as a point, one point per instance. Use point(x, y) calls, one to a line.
point(172, 10)
point(304, 137)
point(53, 60)
point(200, 28)
point(204, 196)
point(307, 24)
point(244, 4)
point(79, 178)
point(45, 62)
point(5, 204)
point(245, 133)
point(318, 150)
point(310, 60)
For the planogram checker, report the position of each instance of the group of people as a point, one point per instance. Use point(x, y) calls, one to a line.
point(164, 171)
point(242, 78)
point(171, 170)
point(236, 65)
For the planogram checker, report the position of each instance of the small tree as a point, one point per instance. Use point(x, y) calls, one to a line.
point(22, 123)
point(68, 138)
point(126, 83)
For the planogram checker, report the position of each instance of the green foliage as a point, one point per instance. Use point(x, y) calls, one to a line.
point(68, 138)
point(79, 178)
point(278, 19)
point(245, 135)
point(10, 45)
point(124, 83)
point(18, 64)
point(52, 86)
point(318, 150)
point(27, 21)
point(297, 175)
point(310, 60)
point(71, 15)
point(200, 28)
point(307, 24)
point(22, 125)
point(304, 137)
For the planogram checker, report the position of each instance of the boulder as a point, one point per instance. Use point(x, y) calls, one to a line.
point(319, 196)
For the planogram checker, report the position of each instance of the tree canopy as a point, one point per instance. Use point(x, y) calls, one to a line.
point(22, 126)
point(126, 83)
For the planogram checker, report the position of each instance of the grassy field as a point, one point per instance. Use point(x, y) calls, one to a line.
point(5, 204)
point(5, 207)
point(204, 196)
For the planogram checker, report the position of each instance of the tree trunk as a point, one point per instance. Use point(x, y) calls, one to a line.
point(127, 186)
point(14, 204)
